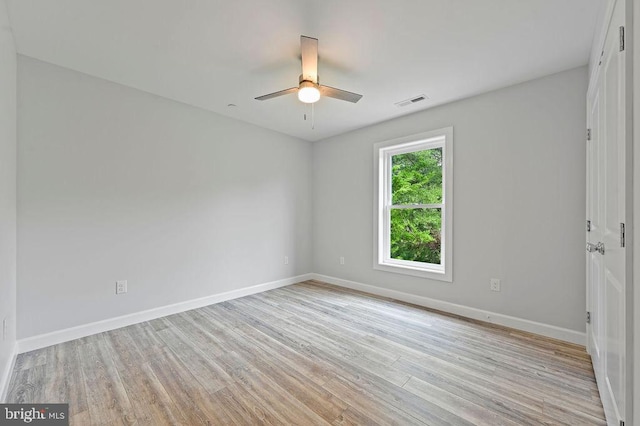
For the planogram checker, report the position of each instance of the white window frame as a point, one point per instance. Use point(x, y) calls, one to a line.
point(383, 152)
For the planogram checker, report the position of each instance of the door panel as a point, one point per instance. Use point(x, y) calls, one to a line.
point(614, 372)
point(596, 319)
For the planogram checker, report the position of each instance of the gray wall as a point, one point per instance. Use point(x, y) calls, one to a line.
point(115, 183)
point(519, 201)
point(7, 192)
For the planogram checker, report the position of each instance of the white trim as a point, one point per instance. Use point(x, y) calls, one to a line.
point(60, 336)
point(382, 153)
point(634, 230)
point(547, 330)
point(5, 374)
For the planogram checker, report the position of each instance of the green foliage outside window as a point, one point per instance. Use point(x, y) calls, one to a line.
point(416, 232)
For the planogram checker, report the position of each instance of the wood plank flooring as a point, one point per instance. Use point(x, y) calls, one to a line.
point(313, 354)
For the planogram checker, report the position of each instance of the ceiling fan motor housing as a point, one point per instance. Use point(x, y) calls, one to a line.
point(301, 79)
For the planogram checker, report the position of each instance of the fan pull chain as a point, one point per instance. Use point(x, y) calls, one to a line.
point(313, 125)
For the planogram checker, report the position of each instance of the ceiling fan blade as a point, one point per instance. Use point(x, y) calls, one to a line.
point(276, 94)
point(309, 49)
point(343, 95)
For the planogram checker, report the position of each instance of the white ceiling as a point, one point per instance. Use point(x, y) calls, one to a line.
point(210, 53)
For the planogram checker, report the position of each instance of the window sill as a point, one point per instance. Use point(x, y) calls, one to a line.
point(429, 273)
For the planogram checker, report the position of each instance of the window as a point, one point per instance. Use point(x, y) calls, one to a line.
point(413, 194)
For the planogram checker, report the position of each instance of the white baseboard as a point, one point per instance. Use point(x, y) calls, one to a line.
point(478, 314)
point(60, 336)
point(5, 374)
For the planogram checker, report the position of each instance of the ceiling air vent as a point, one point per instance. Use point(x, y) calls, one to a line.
point(411, 101)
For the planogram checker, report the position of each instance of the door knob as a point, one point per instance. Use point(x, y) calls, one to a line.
point(596, 247)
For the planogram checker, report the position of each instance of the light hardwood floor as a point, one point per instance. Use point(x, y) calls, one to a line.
point(311, 354)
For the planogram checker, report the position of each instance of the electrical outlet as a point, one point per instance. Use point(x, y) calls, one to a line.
point(495, 284)
point(286, 260)
point(121, 286)
point(342, 260)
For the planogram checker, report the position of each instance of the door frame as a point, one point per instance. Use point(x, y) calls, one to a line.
point(629, 213)
point(635, 49)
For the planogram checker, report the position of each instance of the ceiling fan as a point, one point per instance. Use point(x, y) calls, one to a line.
point(309, 90)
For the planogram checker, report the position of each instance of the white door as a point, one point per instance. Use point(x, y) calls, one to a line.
point(595, 267)
point(606, 210)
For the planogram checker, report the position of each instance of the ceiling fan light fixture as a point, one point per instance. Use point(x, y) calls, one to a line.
point(308, 92)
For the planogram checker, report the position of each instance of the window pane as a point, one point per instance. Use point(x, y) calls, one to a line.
point(416, 235)
point(417, 177)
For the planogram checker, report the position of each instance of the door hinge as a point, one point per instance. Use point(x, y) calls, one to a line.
point(588, 134)
point(622, 236)
point(621, 39)
point(588, 226)
point(588, 317)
